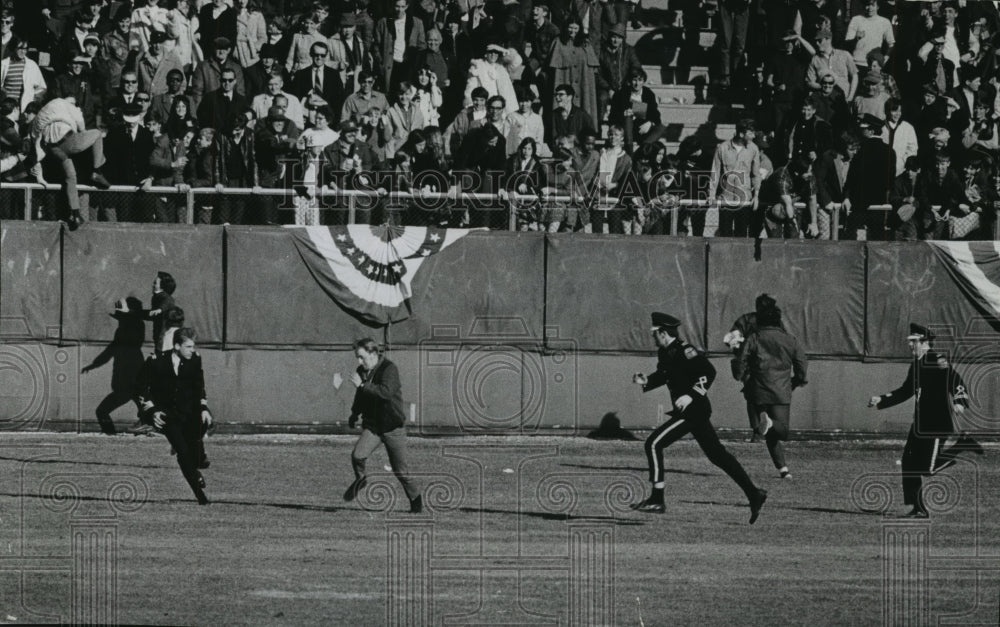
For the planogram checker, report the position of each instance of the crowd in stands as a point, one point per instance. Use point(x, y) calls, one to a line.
point(839, 106)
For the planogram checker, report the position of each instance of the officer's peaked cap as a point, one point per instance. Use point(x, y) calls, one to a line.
point(920, 333)
point(664, 320)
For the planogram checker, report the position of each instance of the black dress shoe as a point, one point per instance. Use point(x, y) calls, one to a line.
point(417, 505)
point(108, 428)
point(916, 512)
point(649, 506)
point(352, 491)
point(75, 220)
point(203, 464)
point(201, 481)
point(756, 503)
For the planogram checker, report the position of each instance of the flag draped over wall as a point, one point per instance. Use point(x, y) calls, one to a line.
point(368, 270)
point(975, 269)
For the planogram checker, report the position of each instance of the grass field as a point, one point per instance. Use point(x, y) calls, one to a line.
point(518, 531)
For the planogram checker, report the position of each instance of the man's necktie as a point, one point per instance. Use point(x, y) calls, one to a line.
point(939, 77)
point(318, 81)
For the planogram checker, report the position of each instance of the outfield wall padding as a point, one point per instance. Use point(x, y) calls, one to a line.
point(105, 262)
point(486, 288)
point(30, 280)
point(820, 287)
point(600, 290)
point(274, 300)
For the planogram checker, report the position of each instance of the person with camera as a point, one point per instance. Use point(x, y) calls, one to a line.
point(378, 404)
point(172, 392)
point(688, 375)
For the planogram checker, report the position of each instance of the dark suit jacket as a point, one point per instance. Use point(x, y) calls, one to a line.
point(180, 395)
point(127, 160)
point(379, 399)
point(333, 87)
point(828, 187)
point(871, 174)
point(210, 28)
point(216, 111)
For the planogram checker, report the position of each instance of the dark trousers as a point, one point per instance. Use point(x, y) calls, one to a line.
point(395, 446)
point(921, 457)
point(734, 19)
point(778, 433)
point(111, 402)
point(185, 435)
point(735, 222)
point(695, 420)
point(612, 217)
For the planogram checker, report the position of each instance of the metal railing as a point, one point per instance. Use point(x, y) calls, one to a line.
point(191, 195)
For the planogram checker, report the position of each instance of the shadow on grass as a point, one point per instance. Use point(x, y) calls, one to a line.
point(191, 501)
point(80, 462)
point(631, 522)
point(770, 506)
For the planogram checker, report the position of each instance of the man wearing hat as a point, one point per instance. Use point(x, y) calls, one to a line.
point(117, 46)
point(940, 392)
point(76, 82)
point(833, 61)
point(275, 139)
point(871, 99)
point(688, 375)
point(349, 55)
point(932, 66)
point(869, 179)
point(207, 75)
point(216, 21)
point(617, 62)
point(129, 147)
point(155, 64)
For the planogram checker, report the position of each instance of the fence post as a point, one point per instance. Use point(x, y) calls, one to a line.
point(27, 203)
point(189, 205)
point(511, 217)
point(835, 223)
point(352, 209)
point(675, 219)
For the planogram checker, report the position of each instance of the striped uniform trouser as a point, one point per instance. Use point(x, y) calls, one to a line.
point(921, 456)
point(695, 420)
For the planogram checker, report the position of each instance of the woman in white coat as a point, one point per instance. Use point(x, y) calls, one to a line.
point(182, 26)
point(21, 73)
point(492, 76)
point(251, 32)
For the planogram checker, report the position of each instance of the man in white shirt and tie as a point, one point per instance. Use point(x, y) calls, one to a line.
point(263, 102)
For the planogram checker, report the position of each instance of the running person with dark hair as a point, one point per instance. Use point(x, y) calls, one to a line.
point(688, 374)
point(378, 402)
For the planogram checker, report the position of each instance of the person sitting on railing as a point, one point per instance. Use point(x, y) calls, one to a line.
point(636, 109)
point(790, 184)
point(275, 138)
point(903, 219)
point(830, 171)
point(202, 170)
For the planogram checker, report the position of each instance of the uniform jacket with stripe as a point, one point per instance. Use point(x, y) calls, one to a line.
point(937, 387)
point(683, 369)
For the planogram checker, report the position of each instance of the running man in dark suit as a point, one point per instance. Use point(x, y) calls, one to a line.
point(378, 401)
point(940, 391)
point(688, 374)
point(173, 393)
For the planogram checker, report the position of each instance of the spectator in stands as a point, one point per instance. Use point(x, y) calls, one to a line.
point(208, 74)
point(810, 136)
point(257, 75)
point(202, 170)
point(573, 62)
point(735, 182)
point(219, 106)
point(237, 168)
point(787, 75)
point(180, 121)
point(831, 104)
point(307, 35)
point(21, 78)
point(869, 180)
point(183, 26)
point(403, 117)
point(492, 76)
point(966, 94)
point(428, 97)
point(155, 64)
point(938, 192)
point(146, 20)
point(322, 118)
point(216, 21)
point(981, 53)
point(318, 84)
point(869, 31)
point(983, 133)
point(524, 174)
point(830, 172)
point(615, 164)
point(357, 104)
point(162, 104)
point(468, 119)
point(275, 90)
point(977, 200)
point(526, 123)
point(275, 140)
point(128, 148)
point(251, 32)
point(349, 162)
point(7, 39)
point(899, 134)
point(871, 100)
point(635, 108)
point(117, 47)
point(167, 162)
point(790, 184)
point(484, 154)
point(349, 55)
point(567, 118)
point(395, 39)
point(70, 45)
point(933, 67)
point(734, 20)
point(929, 115)
point(877, 66)
point(76, 83)
point(617, 62)
point(903, 219)
point(539, 35)
point(595, 16)
point(694, 165)
point(830, 61)
point(819, 15)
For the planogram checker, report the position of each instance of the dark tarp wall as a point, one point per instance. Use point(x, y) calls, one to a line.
point(105, 262)
point(274, 300)
point(818, 285)
point(600, 289)
point(30, 290)
point(485, 288)
point(907, 284)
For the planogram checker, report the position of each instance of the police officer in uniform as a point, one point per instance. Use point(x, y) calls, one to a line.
point(939, 391)
point(688, 374)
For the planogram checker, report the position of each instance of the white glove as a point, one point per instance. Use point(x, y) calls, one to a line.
point(875, 400)
point(682, 403)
